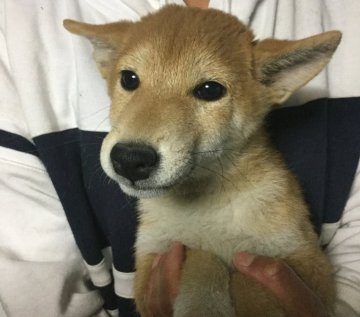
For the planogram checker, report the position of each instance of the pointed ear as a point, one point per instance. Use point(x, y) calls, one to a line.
point(107, 40)
point(285, 66)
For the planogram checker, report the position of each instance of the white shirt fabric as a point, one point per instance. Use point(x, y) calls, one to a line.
point(49, 82)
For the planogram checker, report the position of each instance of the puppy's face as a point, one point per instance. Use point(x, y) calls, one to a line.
point(178, 101)
point(188, 85)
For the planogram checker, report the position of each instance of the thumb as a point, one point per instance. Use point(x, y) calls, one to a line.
point(272, 272)
point(281, 280)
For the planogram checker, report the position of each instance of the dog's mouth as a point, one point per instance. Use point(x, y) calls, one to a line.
point(144, 192)
point(154, 187)
point(144, 172)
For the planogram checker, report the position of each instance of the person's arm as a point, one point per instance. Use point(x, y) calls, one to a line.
point(344, 253)
point(41, 270)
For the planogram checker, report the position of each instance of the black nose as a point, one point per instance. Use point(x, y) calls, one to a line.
point(134, 161)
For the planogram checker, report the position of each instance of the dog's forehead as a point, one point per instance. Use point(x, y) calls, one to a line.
point(189, 36)
point(176, 26)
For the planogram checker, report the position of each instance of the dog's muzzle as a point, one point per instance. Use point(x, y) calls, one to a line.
point(134, 161)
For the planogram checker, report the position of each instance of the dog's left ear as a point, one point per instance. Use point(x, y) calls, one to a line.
point(284, 66)
point(107, 40)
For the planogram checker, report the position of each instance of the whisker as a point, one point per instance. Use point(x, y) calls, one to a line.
point(222, 173)
point(212, 151)
point(102, 121)
point(95, 112)
point(230, 160)
point(217, 174)
point(239, 171)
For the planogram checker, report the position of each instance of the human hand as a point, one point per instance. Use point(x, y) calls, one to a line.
point(164, 282)
point(202, 4)
point(297, 299)
point(273, 273)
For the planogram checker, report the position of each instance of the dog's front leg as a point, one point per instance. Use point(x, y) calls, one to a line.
point(204, 287)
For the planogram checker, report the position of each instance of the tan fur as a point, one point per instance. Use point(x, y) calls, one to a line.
point(221, 187)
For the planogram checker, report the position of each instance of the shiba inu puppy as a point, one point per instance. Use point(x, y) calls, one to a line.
point(190, 89)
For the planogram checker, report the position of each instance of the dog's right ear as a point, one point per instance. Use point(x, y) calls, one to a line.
point(107, 40)
point(285, 66)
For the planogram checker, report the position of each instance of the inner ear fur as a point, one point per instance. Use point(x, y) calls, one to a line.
point(107, 40)
point(285, 66)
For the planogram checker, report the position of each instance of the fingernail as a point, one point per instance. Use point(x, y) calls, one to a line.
point(175, 248)
point(270, 270)
point(244, 259)
point(175, 244)
point(273, 268)
point(156, 261)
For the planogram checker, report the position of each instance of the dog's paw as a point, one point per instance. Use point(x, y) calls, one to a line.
point(204, 288)
point(213, 305)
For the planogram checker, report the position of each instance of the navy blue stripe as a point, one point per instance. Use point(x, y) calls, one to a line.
point(320, 141)
point(114, 210)
point(17, 142)
point(98, 212)
point(108, 294)
point(127, 307)
point(300, 135)
point(60, 153)
point(343, 154)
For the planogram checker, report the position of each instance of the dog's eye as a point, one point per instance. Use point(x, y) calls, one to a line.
point(209, 91)
point(129, 80)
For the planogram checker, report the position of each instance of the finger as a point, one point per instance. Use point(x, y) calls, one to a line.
point(279, 278)
point(164, 280)
point(172, 266)
point(157, 304)
point(202, 4)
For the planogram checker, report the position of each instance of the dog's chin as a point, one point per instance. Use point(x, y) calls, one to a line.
point(143, 192)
